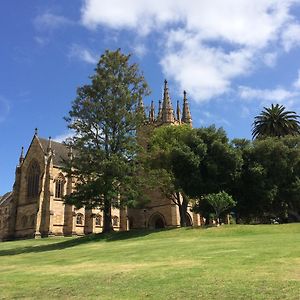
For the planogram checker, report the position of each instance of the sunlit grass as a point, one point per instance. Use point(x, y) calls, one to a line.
point(229, 262)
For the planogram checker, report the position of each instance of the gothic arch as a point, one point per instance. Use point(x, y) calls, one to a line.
point(59, 186)
point(157, 221)
point(33, 179)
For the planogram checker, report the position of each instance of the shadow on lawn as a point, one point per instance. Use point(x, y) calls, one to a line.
point(72, 242)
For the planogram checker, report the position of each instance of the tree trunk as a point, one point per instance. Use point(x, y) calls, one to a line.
point(183, 210)
point(107, 225)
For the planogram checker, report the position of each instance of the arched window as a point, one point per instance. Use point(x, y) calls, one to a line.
point(59, 186)
point(115, 220)
point(79, 219)
point(98, 220)
point(33, 180)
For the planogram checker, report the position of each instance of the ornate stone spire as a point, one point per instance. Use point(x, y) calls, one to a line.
point(186, 114)
point(152, 112)
point(178, 112)
point(49, 147)
point(141, 107)
point(167, 109)
point(159, 116)
point(21, 159)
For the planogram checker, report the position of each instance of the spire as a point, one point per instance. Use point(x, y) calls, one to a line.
point(36, 131)
point(21, 159)
point(178, 112)
point(152, 113)
point(186, 114)
point(49, 147)
point(167, 109)
point(141, 107)
point(159, 115)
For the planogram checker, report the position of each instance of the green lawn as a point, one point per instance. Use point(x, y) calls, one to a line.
point(229, 262)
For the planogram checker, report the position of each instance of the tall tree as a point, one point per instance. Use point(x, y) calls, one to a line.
point(105, 117)
point(176, 152)
point(275, 121)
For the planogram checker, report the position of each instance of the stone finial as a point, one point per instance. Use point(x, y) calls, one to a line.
point(152, 112)
point(178, 112)
point(21, 159)
point(159, 115)
point(186, 114)
point(141, 107)
point(167, 109)
point(49, 147)
point(70, 153)
point(36, 131)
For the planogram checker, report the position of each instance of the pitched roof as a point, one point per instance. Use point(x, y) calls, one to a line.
point(60, 151)
point(5, 199)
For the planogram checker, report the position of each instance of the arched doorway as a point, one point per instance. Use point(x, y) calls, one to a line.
point(157, 221)
point(188, 220)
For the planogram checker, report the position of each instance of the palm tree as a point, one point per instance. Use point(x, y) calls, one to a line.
point(275, 121)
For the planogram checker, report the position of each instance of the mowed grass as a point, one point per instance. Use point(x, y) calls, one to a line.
point(229, 262)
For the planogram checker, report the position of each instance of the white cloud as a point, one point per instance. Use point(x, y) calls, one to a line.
point(291, 37)
point(270, 59)
point(139, 49)
point(203, 45)
point(50, 21)
point(4, 108)
point(296, 83)
point(83, 54)
point(62, 137)
point(276, 95)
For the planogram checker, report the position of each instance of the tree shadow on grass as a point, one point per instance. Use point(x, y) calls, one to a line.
point(72, 242)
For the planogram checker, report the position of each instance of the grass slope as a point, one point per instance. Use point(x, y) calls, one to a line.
point(229, 262)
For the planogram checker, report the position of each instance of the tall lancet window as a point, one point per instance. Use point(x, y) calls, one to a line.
point(33, 180)
point(59, 186)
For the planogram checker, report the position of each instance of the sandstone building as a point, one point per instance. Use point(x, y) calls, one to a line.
point(35, 207)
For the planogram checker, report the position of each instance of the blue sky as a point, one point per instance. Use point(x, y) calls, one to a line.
point(232, 57)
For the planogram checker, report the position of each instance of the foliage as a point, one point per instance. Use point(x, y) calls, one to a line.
point(275, 121)
point(220, 202)
point(105, 118)
point(269, 183)
point(176, 152)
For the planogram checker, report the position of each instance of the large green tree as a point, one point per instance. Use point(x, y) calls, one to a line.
point(105, 117)
point(275, 121)
point(175, 154)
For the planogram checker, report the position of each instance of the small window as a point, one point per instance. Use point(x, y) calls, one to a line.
point(115, 221)
point(59, 187)
point(79, 219)
point(98, 220)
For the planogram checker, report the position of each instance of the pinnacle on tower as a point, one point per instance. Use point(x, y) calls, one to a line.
point(152, 112)
point(49, 147)
point(21, 159)
point(159, 115)
point(167, 109)
point(141, 108)
point(70, 153)
point(36, 131)
point(178, 112)
point(186, 114)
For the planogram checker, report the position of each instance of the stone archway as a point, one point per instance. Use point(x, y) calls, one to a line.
point(157, 221)
point(188, 220)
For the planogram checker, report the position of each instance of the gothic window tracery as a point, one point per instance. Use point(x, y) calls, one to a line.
point(79, 219)
point(98, 220)
point(115, 220)
point(59, 186)
point(33, 180)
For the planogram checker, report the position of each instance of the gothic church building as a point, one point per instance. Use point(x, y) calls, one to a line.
point(35, 207)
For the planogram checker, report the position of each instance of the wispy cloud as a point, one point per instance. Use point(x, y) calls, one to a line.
point(62, 137)
point(50, 21)
point(291, 36)
point(83, 54)
point(4, 108)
